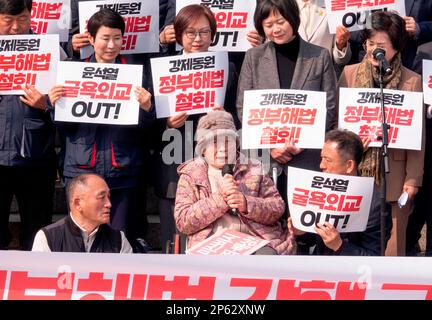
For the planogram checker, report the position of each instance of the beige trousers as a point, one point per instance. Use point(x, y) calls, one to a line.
point(396, 245)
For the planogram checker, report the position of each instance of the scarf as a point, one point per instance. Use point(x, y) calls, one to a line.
point(367, 77)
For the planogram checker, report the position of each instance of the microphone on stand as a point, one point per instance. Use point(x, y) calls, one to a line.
point(228, 169)
point(379, 54)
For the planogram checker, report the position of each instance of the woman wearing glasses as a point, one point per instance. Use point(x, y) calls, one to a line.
point(388, 32)
point(195, 28)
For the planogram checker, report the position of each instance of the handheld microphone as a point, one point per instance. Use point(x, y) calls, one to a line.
point(379, 54)
point(229, 169)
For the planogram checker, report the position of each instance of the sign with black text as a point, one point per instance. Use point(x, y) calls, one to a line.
point(28, 60)
point(271, 117)
point(427, 81)
point(192, 83)
point(141, 19)
point(234, 20)
point(317, 197)
point(98, 93)
point(355, 14)
point(51, 17)
point(360, 112)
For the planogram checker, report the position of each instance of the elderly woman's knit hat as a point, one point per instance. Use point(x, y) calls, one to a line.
point(215, 123)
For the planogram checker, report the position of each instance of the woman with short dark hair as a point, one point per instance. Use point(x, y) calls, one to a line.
point(112, 151)
point(388, 32)
point(286, 61)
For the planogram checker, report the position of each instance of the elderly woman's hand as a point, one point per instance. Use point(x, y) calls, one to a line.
point(232, 195)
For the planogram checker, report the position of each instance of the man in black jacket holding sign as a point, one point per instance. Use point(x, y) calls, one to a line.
point(27, 156)
point(341, 154)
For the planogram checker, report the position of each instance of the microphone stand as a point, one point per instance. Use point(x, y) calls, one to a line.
point(384, 159)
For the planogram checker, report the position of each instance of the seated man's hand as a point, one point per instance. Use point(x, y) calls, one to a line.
point(330, 235)
point(366, 141)
point(293, 230)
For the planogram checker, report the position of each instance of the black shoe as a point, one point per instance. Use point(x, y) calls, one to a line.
point(141, 246)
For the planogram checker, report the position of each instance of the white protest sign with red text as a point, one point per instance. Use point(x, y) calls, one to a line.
point(271, 117)
point(98, 93)
point(141, 18)
point(355, 14)
point(192, 83)
point(317, 197)
point(360, 112)
point(228, 242)
point(51, 17)
point(427, 81)
point(234, 20)
point(74, 276)
point(28, 59)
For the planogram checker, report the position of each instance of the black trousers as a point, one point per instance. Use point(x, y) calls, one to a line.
point(33, 188)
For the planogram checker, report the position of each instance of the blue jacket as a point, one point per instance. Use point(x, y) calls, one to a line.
point(112, 151)
point(26, 134)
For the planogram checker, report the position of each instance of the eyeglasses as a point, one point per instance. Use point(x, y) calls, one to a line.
point(371, 45)
point(191, 34)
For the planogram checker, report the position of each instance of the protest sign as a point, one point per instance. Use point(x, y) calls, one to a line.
point(141, 19)
point(317, 197)
point(28, 60)
point(192, 83)
point(51, 17)
point(360, 112)
point(98, 93)
point(271, 117)
point(228, 242)
point(355, 14)
point(234, 20)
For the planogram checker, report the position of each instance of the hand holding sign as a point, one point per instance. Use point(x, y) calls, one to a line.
point(410, 26)
point(254, 38)
point(285, 154)
point(329, 235)
point(144, 98)
point(177, 121)
point(293, 230)
point(167, 36)
point(79, 41)
point(33, 98)
point(55, 93)
point(342, 37)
